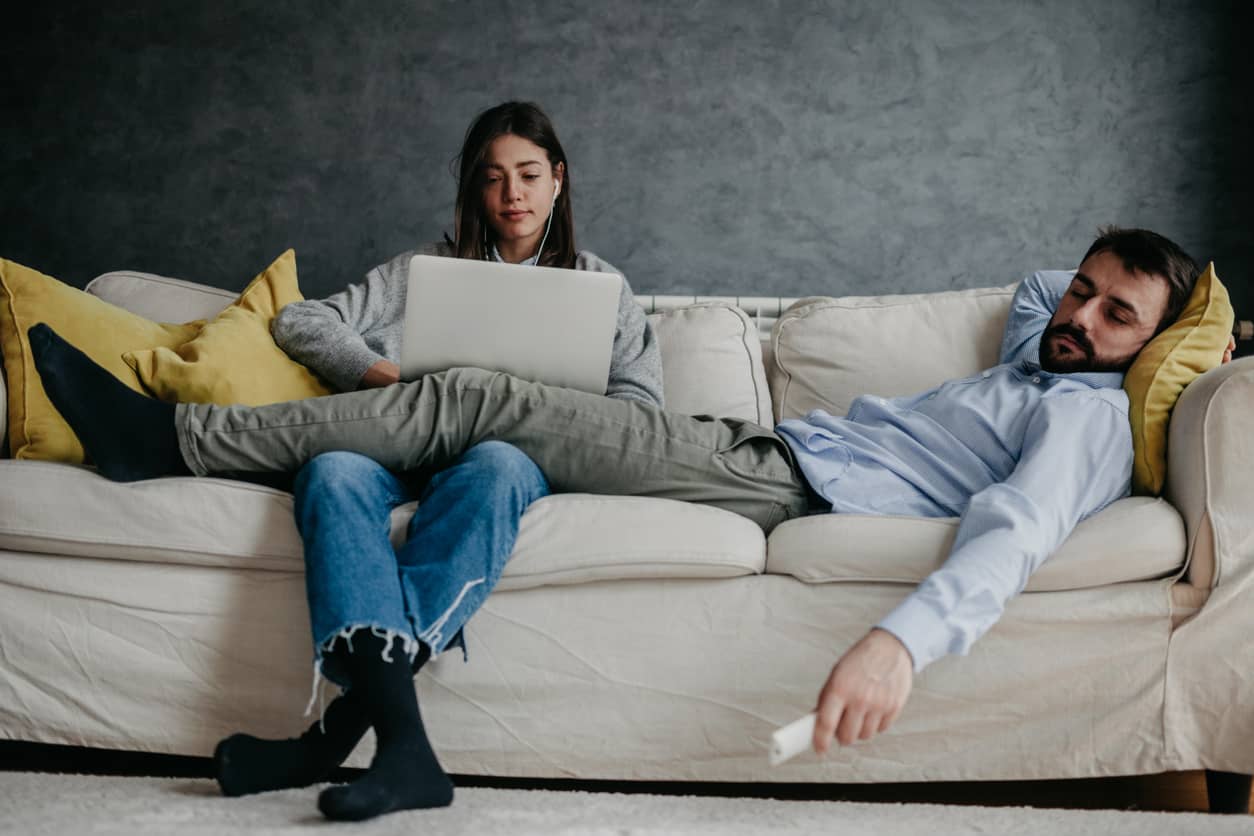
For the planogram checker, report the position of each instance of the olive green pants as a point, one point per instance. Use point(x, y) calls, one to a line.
point(584, 443)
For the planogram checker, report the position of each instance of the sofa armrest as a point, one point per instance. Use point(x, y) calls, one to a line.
point(1210, 473)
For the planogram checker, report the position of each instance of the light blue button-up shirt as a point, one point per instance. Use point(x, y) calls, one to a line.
point(1021, 454)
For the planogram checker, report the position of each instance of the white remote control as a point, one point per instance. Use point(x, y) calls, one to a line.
point(791, 740)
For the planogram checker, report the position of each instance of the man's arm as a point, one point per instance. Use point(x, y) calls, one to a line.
point(865, 691)
point(1076, 458)
point(1032, 307)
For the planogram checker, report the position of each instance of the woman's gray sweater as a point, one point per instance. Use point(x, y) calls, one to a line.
point(342, 336)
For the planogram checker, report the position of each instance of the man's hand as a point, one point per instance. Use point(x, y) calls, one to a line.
point(1232, 346)
point(382, 373)
point(866, 691)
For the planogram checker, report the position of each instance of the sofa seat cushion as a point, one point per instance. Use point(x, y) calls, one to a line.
point(59, 509)
point(1131, 540)
point(576, 538)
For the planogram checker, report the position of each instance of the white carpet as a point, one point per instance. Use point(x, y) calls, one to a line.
point(74, 804)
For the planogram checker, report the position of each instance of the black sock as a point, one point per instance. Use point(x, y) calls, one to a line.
point(405, 774)
point(127, 435)
point(244, 764)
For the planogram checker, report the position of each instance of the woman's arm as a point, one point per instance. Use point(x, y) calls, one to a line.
point(327, 335)
point(636, 361)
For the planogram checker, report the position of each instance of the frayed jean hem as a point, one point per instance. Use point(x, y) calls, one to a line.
point(323, 651)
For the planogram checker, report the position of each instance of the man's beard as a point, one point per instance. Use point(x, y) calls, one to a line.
point(1087, 361)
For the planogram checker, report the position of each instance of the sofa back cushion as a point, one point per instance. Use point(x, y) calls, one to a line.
point(160, 298)
point(712, 362)
point(829, 351)
point(711, 354)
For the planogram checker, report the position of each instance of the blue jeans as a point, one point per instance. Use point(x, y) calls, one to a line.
point(458, 542)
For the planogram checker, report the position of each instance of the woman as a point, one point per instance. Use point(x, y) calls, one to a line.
point(377, 613)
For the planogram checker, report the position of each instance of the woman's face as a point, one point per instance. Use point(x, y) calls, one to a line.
point(518, 192)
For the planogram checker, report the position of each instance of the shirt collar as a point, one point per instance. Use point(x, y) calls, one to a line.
point(1097, 380)
point(496, 256)
point(1094, 380)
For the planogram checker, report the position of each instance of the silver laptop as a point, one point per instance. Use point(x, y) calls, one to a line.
point(544, 324)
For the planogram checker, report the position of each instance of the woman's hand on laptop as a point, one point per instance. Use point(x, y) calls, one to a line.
point(382, 373)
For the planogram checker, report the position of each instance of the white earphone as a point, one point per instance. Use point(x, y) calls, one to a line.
point(557, 188)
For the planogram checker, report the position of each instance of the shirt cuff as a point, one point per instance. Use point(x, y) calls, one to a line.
point(350, 366)
point(924, 633)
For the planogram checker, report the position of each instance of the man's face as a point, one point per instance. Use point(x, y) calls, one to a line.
point(1106, 317)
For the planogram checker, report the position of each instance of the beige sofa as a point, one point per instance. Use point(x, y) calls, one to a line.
point(650, 639)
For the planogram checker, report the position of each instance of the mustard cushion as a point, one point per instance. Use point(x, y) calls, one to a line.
point(104, 332)
point(1193, 344)
point(233, 360)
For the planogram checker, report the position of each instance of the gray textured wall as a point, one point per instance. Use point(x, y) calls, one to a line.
point(788, 148)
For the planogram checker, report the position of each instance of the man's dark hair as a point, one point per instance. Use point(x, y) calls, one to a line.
point(1148, 252)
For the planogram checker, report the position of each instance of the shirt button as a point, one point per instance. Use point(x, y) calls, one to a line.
point(1036, 380)
point(986, 374)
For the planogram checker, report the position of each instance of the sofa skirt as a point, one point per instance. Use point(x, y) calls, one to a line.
point(629, 680)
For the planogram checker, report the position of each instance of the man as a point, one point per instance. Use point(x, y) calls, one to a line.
point(1022, 451)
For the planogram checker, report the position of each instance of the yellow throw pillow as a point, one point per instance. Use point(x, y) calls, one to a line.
point(102, 331)
point(233, 360)
point(1193, 344)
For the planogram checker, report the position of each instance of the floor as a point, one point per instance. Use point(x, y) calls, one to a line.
point(1168, 792)
point(35, 804)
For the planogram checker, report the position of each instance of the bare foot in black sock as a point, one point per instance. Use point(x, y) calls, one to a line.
point(405, 774)
point(244, 764)
point(127, 435)
point(400, 778)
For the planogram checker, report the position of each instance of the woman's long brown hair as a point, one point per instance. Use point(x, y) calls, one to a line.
point(473, 234)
